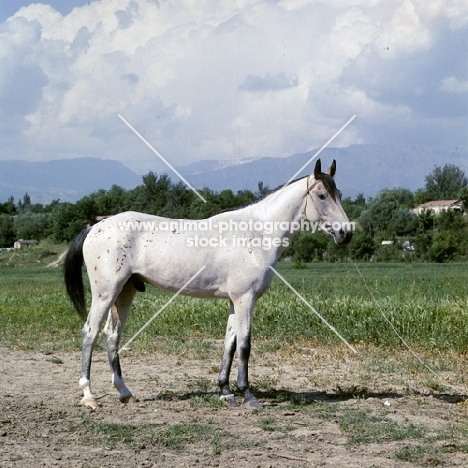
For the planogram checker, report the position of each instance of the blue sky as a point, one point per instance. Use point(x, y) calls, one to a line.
point(203, 79)
point(10, 7)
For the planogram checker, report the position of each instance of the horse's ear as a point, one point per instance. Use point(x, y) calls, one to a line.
point(332, 169)
point(318, 170)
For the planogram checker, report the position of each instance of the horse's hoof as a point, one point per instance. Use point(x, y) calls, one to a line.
point(229, 400)
point(252, 404)
point(128, 399)
point(90, 403)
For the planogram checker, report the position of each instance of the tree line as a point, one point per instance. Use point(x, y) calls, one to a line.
point(386, 217)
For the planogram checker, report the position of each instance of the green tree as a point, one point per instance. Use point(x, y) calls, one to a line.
point(445, 183)
point(421, 196)
point(378, 217)
point(426, 220)
point(362, 245)
point(451, 221)
point(51, 206)
point(463, 196)
point(88, 208)
point(8, 207)
point(244, 197)
point(422, 243)
point(25, 204)
point(262, 189)
point(178, 201)
point(201, 210)
point(404, 222)
point(30, 225)
point(7, 231)
point(66, 222)
point(155, 191)
point(135, 199)
point(354, 208)
point(405, 197)
point(444, 248)
point(307, 247)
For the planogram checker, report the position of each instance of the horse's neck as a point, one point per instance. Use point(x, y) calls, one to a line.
point(286, 205)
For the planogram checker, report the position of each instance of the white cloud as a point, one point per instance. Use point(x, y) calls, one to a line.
point(404, 32)
point(454, 85)
point(209, 79)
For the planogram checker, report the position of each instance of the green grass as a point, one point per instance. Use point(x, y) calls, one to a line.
point(35, 312)
point(175, 437)
point(275, 424)
point(427, 303)
point(111, 435)
point(360, 426)
point(363, 427)
point(41, 255)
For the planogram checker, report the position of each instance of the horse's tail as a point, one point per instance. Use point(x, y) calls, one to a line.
point(73, 274)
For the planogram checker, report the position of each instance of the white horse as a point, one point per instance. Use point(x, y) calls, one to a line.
point(236, 249)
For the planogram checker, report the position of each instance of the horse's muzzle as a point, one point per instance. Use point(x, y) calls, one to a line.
point(343, 237)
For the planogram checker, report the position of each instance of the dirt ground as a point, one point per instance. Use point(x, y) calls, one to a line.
point(316, 406)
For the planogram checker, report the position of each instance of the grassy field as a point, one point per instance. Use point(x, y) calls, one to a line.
point(427, 304)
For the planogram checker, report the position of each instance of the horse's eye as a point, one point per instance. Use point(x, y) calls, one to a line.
point(322, 196)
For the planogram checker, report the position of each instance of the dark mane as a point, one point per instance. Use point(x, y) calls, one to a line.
point(327, 180)
point(328, 183)
point(260, 198)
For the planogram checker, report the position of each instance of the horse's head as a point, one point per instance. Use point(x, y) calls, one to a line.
point(326, 204)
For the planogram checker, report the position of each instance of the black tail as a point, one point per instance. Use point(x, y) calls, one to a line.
point(73, 274)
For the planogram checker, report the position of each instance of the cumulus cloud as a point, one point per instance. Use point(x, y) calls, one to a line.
point(246, 78)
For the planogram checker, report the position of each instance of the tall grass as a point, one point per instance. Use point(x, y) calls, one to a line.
point(427, 303)
point(35, 312)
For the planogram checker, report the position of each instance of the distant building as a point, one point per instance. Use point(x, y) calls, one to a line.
point(20, 243)
point(438, 206)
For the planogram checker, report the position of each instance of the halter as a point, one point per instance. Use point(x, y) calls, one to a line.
point(309, 189)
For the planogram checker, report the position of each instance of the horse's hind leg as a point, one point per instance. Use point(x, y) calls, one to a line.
point(112, 333)
point(90, 332)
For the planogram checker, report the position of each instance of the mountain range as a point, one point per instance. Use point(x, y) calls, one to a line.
point(360, 169)
point(63, 179)
point(363, 169)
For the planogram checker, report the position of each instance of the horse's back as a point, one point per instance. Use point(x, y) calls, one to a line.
point(133, 243)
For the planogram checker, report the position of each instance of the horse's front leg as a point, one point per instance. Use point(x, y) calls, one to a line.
point(241, 322)
point(243, 312)
point(225, 369)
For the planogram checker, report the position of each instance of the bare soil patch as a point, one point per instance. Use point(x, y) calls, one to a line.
point(322, 407)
